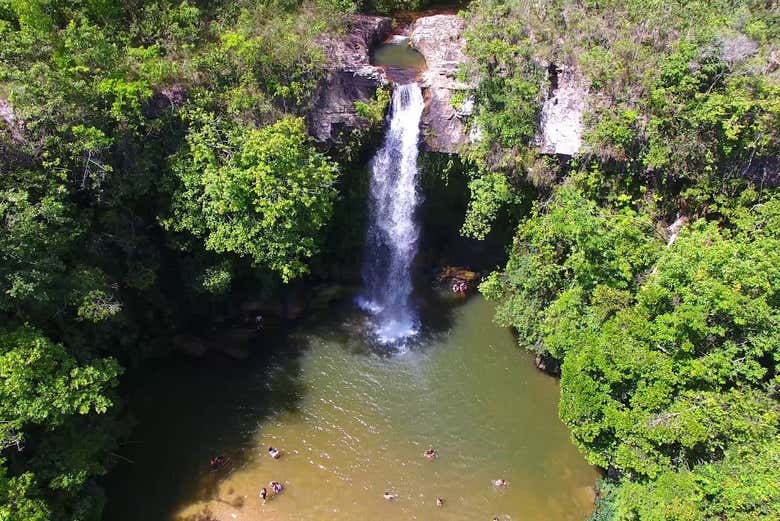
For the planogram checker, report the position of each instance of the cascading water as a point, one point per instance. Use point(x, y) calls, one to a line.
point(391, 242)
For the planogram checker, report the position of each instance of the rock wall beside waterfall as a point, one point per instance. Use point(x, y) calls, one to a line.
point(440, 40)
point(560, 129)
point(350, 78)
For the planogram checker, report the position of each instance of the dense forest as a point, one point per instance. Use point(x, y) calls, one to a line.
point(154, 156)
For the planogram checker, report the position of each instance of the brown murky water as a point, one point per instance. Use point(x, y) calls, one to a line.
point(353, 423)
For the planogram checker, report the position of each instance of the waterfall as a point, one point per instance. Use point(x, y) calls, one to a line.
point(391, 242)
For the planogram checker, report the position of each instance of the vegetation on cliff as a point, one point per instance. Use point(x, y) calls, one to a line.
point(668, 336)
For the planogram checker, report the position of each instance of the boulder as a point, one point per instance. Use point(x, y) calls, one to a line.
point(452, 274)
point(561, 123)
point(440, 40)
point(350, 77)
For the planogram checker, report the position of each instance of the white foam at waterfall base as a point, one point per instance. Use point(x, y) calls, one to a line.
point(391, 241)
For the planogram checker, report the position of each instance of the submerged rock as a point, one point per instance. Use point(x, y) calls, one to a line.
point(440, 40)
point(350, 78)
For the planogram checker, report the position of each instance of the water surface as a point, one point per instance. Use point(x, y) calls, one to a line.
point(401, 62)
point(353, 423)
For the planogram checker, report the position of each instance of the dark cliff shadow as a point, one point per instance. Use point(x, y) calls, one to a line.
point(188, 411)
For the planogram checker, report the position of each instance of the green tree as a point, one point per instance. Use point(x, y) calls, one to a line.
point(264, 194)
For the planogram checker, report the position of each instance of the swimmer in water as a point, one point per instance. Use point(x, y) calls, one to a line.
point(439, 502)
point(217, 462)
point(390, 496)
point(263, 494)
point(274, 452)
point(431, 454)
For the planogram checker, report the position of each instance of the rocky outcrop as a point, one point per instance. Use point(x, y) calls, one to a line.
point(13, 125)
point(561, 124)
point(165, 99)
point(440, 40)
point(350, 78)
point(674, 229)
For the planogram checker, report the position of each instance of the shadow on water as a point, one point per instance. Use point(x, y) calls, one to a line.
point(188, 411)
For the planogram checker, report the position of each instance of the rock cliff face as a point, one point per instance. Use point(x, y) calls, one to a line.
point(561, 124)
point(440, 40)
point(350, 78)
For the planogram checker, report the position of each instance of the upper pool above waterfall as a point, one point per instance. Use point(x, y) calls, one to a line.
point(401, 62)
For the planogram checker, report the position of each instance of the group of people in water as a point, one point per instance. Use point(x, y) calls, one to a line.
point(276, 487)
point(431, 454)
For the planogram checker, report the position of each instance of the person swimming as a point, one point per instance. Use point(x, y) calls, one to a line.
point(274, 452)
point(431, 454)
point(263, 494)
point(499, 483)
point(389, 496)
point(276, 487)
point(439, 502)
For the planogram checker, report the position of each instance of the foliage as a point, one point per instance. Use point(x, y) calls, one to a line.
point(669, 354)
point(489, 194)
point(374, 110)
point(42, 385)
point(264, 194)
point(510, 85)
point(685, 372)
point(743, 486)
point(568, 254)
